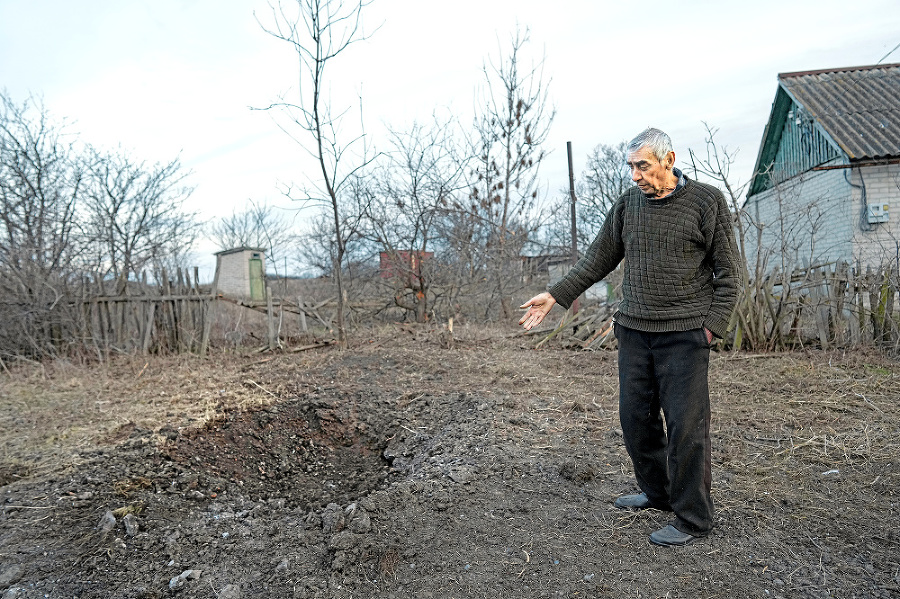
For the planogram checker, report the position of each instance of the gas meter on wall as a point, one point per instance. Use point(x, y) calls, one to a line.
point(877, 213)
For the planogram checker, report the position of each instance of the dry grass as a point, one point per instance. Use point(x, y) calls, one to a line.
point(52, 412)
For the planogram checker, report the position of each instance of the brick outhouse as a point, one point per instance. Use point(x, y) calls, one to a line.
point(241, 273)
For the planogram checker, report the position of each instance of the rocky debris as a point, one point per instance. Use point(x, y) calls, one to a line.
point(462, 474)
point(107, 522)
point(131, 525)
point(10, 574)
point(177, 582)
point(360, 521)
point(333, 519)
point(230, 591)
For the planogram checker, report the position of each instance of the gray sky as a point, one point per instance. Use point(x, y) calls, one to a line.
point(177, 77)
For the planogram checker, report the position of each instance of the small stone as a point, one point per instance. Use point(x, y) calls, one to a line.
point(361, 522)
point(196, 495)
point(107, 522)
point(230, 591)
point(177, 582)
point(13, 593)
point(283, 565)
point(131, 525)
point(10, 574)
point(588, 577)
point(461, 475)
point(343, 540)
point(333, 518)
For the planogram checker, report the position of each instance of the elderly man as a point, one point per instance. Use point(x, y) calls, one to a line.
point(680, 286)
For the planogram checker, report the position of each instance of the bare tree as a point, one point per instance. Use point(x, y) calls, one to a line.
point(413, 191)
point(605, 178)
point(319, 31)
point(40, 182)
point(135, 214)
point(513, 121)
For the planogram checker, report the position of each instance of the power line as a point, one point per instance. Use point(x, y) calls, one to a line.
point(888, 54)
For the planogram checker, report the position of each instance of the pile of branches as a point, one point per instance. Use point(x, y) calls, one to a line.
point(589, 328)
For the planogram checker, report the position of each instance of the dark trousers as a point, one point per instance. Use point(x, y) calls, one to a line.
point(672, 465)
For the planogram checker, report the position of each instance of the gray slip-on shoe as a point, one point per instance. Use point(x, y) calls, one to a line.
point(637, 502)
point(671, 537)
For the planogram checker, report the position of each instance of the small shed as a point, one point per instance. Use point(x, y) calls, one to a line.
point(241, 273)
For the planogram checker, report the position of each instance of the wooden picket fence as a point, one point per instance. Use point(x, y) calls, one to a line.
point(173, 316)
point(827, 305)
point(831, 305)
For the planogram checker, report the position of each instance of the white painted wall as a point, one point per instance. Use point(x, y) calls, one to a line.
point(877, 244)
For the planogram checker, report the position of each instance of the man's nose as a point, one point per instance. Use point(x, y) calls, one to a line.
point(635, 174)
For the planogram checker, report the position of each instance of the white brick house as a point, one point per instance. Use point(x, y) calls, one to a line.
point(827, 178)
point(241, 273)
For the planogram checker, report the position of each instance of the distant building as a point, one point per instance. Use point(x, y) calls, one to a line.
point(827, 179)
point(242, 273)
point(404, 265)
point(545, 268)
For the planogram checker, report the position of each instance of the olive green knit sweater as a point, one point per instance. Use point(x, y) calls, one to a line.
point(681, 265)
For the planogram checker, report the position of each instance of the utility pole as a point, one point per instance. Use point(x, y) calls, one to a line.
point(574, 225)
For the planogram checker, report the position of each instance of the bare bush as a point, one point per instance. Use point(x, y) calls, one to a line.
point(513, 121)
point(134, 215)
point(41, 179)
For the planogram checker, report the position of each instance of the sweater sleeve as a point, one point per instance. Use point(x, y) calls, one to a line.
point(603, 255)
point(726, 269)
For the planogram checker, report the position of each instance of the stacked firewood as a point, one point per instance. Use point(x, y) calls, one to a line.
point(589, 328)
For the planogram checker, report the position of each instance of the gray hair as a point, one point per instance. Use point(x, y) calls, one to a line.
point(657, 141)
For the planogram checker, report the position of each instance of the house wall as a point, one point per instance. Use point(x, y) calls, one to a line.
point(876, 244)
point(807, 219)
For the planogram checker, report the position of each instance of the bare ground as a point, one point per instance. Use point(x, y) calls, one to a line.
point(400, 468)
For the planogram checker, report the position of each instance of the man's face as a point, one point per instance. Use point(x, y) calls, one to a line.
point(651, 175)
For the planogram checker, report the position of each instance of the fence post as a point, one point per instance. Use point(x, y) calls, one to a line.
point(303, 326)
point(210, 312)
point(820, 304)
point(148, 331)
point(853, 306)
point(270, 318)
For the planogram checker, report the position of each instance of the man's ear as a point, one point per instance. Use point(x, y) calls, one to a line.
point(670, 160)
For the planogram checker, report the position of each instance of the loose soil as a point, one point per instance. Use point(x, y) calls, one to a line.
point(404, 468)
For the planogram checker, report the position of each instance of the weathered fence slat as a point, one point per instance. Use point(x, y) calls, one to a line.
point(830, 304)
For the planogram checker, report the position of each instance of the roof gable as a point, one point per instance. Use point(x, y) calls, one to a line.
point(820, 116)
point(859, 107)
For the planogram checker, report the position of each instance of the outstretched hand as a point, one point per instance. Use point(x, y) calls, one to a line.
point(537, 307)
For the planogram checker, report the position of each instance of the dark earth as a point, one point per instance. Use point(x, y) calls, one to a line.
point(403, 468)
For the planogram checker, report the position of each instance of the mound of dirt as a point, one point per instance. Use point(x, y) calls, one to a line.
point(399, 468)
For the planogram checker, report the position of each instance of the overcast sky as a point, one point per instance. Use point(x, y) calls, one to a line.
point(167, 78)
